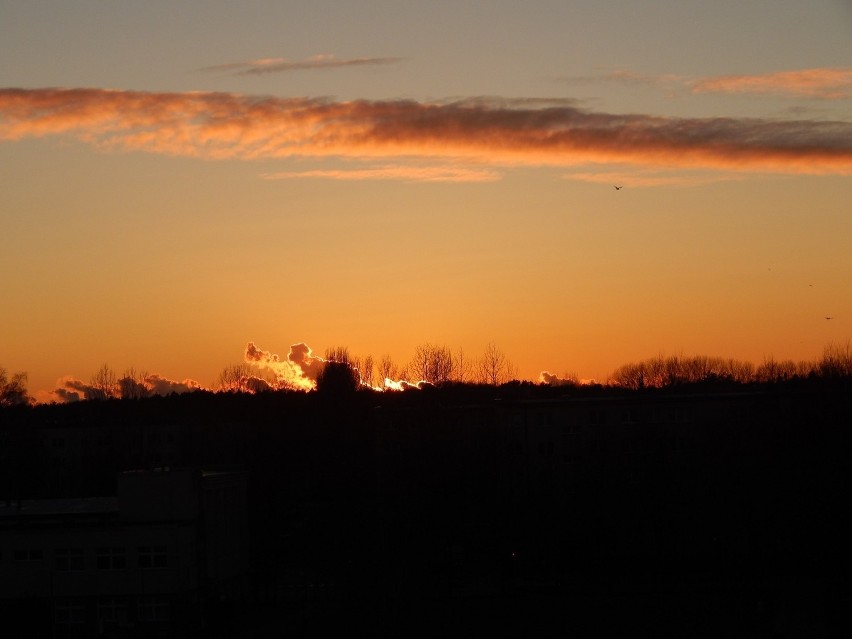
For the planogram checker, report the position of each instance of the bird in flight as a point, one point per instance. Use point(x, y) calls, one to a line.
point(617, 188)
point(827, 317)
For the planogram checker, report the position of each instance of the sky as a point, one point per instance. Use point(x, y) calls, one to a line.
point(178, 179)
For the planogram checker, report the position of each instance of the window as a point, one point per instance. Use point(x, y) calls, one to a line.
point(570, 458)
point(112, 610)
point(31, 554)
point(546, 448)
point(66, 613)
point(111, 558)
point(68, 559)
point(630, 416)
point(571, 427)
point(682, 444)
point(153, 557)
point(153, 609)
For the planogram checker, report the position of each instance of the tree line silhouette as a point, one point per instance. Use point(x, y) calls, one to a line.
point(438, 365)
point(675, 370)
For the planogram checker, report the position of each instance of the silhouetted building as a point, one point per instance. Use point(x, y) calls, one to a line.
point(152, 557)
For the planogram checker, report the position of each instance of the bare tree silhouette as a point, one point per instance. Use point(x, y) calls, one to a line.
point(104, 384)
point(494, 368)
point(433, 364)
point(388, 369)
point(233, 378)
point(13, 390)
point(836, 361)
point(131, 385)
point(461, 367)
point(366, 369)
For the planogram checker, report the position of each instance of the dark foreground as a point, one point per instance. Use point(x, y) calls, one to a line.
point(702, 511)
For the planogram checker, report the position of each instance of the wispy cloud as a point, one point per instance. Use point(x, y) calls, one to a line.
point(642, 179)
point(280, 65)
point(625, 76)
point(822, 83)
point(232, 126)
point(394, 172)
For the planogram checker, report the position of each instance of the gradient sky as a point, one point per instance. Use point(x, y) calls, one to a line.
point(180, 178)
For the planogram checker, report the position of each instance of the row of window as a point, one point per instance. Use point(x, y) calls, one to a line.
point(153, 438)
point(113, 611)
point(573, 453)
point(106, 557)
point(599, 417)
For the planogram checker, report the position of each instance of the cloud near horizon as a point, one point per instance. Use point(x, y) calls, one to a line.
point(69, 389)
point(280, 65)
point(299, 371)
point(241, 127)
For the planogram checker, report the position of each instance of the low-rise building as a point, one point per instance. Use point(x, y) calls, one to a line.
point(168, 543)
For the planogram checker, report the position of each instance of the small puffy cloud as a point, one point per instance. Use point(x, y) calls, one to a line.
point(70, 389)
point(402, 385)
point(159, 385)
point(302, 356)
point(568, 380)
point(554, 380)
point(64, 393)
point(299, 371)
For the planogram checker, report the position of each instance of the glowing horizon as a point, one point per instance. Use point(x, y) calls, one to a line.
point(301, 368)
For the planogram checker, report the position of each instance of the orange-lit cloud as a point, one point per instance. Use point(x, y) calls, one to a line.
point(299, 371)
point(222, 125)
point(395, 172)
point(569, 380)
point(302, 368)
point(280, 65)
point(550, 379)
point(823, 83)
point(159, 385)
point(402, 385)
